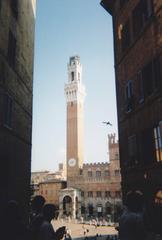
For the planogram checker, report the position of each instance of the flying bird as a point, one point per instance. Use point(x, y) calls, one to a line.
point(107, 123)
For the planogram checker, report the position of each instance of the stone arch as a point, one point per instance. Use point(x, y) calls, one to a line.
point(90, 209)
point(67, 205)
point(108, 208)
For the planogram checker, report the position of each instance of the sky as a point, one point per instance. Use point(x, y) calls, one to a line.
point(65, 28)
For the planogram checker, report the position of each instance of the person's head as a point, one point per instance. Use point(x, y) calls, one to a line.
point(135, 201)
point(49, 211)
point(37, 203)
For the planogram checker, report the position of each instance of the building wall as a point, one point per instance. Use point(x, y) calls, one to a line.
point(50, 190)
point(98, 184)
point(138, 60)
point(37, 177)
point(102, 188)
point(16, 81)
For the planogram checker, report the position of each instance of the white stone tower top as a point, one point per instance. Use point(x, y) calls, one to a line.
point(74, 89)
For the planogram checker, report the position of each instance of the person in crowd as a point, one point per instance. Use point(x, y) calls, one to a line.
point(12, 225)
point(47, 231)
point(67, 234)
point(36, 206)
point(36, 217)
point(153, 218)
point(131, 223)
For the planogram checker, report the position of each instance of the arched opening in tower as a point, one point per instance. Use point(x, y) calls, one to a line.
point(67, 205)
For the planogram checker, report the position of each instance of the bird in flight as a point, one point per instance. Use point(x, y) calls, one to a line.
point(107, 123)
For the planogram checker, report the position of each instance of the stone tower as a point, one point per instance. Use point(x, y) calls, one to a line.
point(75, 93)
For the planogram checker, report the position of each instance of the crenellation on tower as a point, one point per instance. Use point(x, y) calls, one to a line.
point(112, 138)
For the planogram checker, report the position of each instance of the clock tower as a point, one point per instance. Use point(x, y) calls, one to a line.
point(75, 93)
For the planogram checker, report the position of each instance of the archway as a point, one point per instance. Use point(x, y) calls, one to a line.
point(108, 208)
point(90, 209)
point(67, 205)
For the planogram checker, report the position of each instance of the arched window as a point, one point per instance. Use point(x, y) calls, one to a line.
point(98, 173)
point(72, 76)
point(107, 173)
point(89, 173)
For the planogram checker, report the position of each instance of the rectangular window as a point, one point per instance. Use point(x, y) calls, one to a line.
point(14, 7)
point(129, 96)
point(129, 90)
point(107, 194)
point(11, 49)
point(72, 76)
point(89, 173)
point(8, 105)
point(98, 194)
point(90, 194)
point(117, 173)
point(98, 173)
point(125, 40)
point(82, 193)
point(107, 173)
point(158, 142)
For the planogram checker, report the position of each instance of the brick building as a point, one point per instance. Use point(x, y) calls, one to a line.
point(50, 189)
point(97, 187)
point(137, 28)
point(17, 21)
point(92, 189)
point(96, 190)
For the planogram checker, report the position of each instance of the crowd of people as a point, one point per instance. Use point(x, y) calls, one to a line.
point(136, 222)
point(39, 227)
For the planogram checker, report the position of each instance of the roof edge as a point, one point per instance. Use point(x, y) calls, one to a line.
point(107, 5)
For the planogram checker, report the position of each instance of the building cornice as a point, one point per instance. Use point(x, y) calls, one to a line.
point(108, 5)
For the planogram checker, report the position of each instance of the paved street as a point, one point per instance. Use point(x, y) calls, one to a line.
point(77, 229)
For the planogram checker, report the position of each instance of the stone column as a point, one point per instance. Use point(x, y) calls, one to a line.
point(74, 208)
point(61, 208)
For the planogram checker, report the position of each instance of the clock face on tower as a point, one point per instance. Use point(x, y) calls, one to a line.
point(72, 162)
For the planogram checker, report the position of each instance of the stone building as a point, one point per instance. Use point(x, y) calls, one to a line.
point(137, 28)
point(92, 189)
point(39, 176)
point(17, 21)
point(50, 189)
point(40, 180)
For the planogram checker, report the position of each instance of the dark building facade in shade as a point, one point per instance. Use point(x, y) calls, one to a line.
point(17, 21)
point(137, 29)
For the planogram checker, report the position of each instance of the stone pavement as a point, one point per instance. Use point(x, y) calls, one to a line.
point(77, 229)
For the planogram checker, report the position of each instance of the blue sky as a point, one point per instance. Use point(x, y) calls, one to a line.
point(65, 28)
